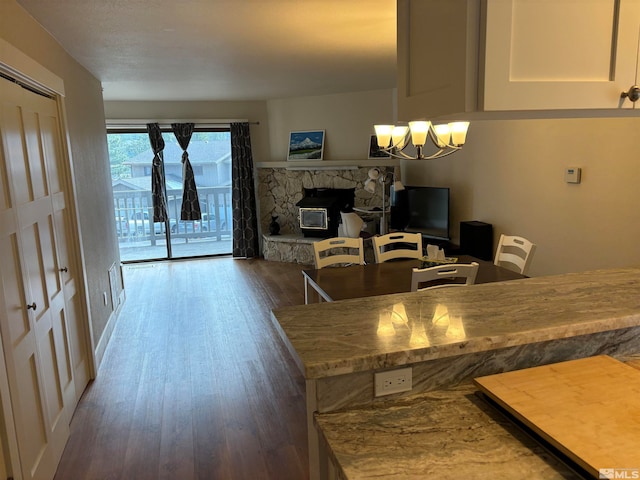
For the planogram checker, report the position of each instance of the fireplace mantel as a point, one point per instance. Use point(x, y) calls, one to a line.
point(331, 164)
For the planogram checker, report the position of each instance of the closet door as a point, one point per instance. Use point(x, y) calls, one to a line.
point(68, 268)
point(34, 321)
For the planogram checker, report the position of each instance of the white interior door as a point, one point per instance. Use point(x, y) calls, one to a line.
point(33, 321)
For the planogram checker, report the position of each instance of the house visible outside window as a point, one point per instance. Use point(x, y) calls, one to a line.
point(130, 157)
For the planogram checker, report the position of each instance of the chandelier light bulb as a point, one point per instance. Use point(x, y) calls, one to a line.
point(383, 135)
point(458, 133)
point(398, 136)
point(443, 134)
point(419, 132)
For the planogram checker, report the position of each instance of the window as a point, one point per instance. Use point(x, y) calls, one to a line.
point(130, 157)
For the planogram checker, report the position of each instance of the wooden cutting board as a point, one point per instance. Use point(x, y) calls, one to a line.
point(589, 409)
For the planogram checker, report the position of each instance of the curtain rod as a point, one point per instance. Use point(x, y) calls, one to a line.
point(141, 122)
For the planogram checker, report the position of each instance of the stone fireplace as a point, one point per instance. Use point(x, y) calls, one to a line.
point(281, 189)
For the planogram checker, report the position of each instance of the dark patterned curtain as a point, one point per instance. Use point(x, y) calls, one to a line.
point(243, 196)
point(190, 209)
point(158, 192)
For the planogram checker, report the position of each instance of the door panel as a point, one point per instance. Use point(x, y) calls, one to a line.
point(50, 135)
point(37, 348)
point(17, 321)
point(22, 364)
point(35, 160)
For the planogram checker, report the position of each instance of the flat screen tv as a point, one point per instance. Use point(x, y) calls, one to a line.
point(424, 210)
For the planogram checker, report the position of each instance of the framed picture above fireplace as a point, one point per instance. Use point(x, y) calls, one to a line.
point(306, 145)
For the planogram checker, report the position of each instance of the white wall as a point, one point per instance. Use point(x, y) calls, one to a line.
point(511, 174)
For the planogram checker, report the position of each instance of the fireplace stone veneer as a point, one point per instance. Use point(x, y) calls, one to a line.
point(280, 189)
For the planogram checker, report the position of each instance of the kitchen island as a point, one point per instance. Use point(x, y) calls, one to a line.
point(449, 336)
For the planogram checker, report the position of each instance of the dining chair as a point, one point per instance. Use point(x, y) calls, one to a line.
point(452, 271)
point(335, 251)
point(514, 253)
point(338, 250)
point(397, 245)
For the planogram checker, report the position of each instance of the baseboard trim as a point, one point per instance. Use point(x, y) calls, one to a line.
point(101, 347)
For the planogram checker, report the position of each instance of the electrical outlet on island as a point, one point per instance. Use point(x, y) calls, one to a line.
point(393, 381)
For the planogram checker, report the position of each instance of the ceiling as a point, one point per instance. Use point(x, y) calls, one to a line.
point(226, 49)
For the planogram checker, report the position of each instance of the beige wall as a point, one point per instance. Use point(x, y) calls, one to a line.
point(251, 111)
point(347, 119)
point(85, 119)
point(511, 174)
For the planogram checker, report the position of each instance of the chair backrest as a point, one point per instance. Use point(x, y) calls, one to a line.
point(338, 250)
point(514, 253)
point(449, 271)
point(399, 240)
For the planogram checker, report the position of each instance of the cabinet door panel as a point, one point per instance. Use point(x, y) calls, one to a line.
point(554, 42)
point(555, 55)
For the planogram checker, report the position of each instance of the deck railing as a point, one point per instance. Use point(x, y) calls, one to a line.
point(134, 215)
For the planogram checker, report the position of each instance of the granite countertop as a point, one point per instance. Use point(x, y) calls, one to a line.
point(445, 434)
point(391, 330)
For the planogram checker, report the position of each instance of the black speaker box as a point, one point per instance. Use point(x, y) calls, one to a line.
point(476, 239)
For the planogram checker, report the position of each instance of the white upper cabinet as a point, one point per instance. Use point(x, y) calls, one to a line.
point(559, 54)
point(457, 56)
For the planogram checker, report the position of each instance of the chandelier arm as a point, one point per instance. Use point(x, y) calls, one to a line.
point(443, 152)
point(397, 153)
point(434, 138)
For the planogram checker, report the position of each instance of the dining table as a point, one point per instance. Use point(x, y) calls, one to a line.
point(356, 281)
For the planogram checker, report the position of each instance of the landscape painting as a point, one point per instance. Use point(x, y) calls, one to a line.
point(306, 145)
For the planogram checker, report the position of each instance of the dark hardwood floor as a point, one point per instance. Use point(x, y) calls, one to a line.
point(195, 383)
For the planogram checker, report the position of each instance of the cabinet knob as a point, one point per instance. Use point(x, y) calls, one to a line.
point(33, 306)
point(64, 269)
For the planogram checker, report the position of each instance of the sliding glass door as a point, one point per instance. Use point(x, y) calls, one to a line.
point(139, 238)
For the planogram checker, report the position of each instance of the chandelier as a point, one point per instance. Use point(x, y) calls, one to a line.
point(447, 138)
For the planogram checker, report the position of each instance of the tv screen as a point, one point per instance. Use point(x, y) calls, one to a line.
point(427, 211)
